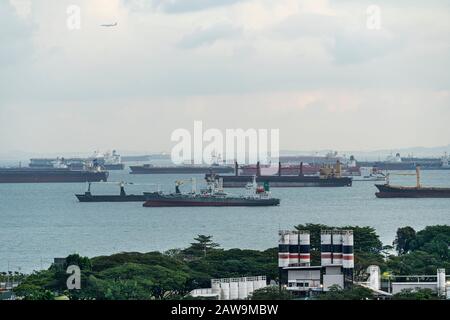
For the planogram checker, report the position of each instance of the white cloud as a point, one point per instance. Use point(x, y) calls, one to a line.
point(291, 59)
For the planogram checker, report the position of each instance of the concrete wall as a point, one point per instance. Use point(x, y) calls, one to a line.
point(332, 279)
point(399, 286)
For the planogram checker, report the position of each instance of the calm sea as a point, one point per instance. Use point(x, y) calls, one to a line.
point(41, 221)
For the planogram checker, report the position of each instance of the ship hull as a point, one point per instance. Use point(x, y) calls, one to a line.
point(388, 166)
point(50, 176)
point(118, 166)
point(386, 191)
point(284, 181)
point(110, 198)
point(179, 170)
point(206, 203)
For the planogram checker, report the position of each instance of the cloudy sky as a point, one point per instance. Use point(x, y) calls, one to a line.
point(311, 68)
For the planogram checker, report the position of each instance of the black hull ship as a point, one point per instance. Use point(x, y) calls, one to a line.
point(118, 166)
point(122, 197)
point(212, 197)
point(328, 178)
point(389, 191)
point(161, 200)
point(150, 169)
point(53, 175)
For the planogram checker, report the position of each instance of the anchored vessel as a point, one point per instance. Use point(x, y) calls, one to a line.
point(213, 196)
point(51, 175)
point(329, 177)
point(151, 169)
point(408, 163)
point(389, 191)
point(122, 197)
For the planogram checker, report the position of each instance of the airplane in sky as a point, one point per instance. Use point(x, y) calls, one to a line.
point(109, 25)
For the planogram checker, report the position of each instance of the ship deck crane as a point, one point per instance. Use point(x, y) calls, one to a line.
point(178, 183)
point(417, 174)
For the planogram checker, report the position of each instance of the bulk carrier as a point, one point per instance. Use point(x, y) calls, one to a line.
point(390, 191)
point(329, 177)
point(122, 197)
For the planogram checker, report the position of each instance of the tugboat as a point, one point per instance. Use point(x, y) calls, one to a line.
point(122, 197)
point(213, 196)
point(389, 191)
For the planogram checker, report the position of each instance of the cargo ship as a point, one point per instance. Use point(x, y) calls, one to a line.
point(122, 197)
point(107, 161)
point(213, 196)
point(329, 177)
point(397, 162)
point(390, 191)
point(50, 175)
point(185, 169)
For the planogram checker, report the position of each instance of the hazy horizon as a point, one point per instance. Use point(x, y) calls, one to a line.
point(312, 69)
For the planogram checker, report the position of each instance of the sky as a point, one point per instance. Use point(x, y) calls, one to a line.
point(318, 70)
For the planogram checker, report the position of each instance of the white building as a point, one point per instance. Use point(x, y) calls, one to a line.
point(231, 288)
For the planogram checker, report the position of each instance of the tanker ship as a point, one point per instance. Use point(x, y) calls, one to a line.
point(151, 169)
point(58, 172)
point(329, 177)
point(38, 175)
point(390, 191)
point(213, 196)
point(397, 162)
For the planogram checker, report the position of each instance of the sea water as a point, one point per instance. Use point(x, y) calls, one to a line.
point(41, 221)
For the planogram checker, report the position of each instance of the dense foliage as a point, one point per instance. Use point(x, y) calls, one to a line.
point(271, 293)
point(421, 252)
point(173, 274)
point(418, 294)
point(353, 293)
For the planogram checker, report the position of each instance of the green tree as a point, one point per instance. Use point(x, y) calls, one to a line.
point(33, 292)
point(433, 239)
point(271, 293)
point(203, 245)
point(418, 294)
point(83, 262)
point(353, 293)
point(405, 236)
